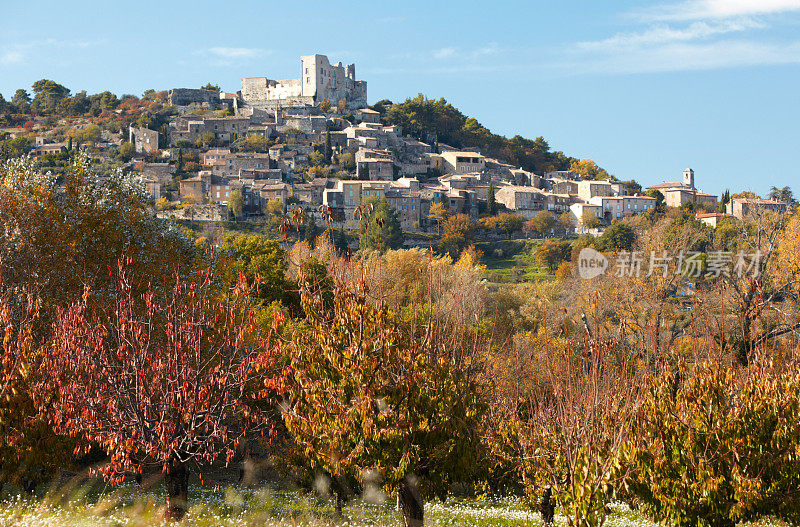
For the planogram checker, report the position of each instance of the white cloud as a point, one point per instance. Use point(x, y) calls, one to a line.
point(491, 48)
point(11, 56)
point(684, 56)
point(444, 53)
point(236, 53)
point(665, 34)
point(17, 53)
point(716, 9)
point(692, 35)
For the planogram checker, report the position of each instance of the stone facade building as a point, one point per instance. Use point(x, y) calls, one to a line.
point(144, 140)
point(319, 80)
point(187, 96)
point(678, 194)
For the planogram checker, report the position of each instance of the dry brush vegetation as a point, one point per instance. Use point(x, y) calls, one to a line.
point(131, 351)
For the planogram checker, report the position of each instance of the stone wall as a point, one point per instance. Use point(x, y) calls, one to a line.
point(187, 96)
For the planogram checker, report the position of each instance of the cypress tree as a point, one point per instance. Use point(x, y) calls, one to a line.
point(491, 204)
point(328, 148)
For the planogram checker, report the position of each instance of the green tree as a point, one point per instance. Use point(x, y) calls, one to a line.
point(617, 237)
point(254, 143)
point(19, 146)
point(236, 204)
point(659, 197)
point(382, 230)
point(491, 204)
point(21, 101)
point(311, 231)
point(328, 148)
point(209, 86)
point(206, 139)
point(256, 255)
point(47, 95)
point(125, 152)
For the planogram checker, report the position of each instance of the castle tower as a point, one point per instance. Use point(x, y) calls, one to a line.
point(688, 178)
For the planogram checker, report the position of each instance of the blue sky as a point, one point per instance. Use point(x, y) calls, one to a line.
point(643, 88)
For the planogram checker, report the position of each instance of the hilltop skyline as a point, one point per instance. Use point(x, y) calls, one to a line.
point(644, 90)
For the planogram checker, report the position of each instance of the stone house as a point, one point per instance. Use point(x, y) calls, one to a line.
point(461, 162)
point(740, 208)
point(616, 207)
point(143, 139)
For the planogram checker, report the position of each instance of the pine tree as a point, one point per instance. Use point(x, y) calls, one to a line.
point(179, 164)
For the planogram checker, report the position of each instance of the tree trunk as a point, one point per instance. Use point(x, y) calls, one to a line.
point(547, 507)
point(337, 496)
point(176, 481)
point(411, 503)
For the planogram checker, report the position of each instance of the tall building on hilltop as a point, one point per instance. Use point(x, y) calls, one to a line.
point(319, 80)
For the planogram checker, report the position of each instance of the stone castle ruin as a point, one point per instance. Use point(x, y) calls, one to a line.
point(319, 80)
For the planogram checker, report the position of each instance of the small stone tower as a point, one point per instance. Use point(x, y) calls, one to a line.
point(688, 178)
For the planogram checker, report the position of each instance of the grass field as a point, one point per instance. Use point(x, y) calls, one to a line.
point(129, 506)
point(511, 261)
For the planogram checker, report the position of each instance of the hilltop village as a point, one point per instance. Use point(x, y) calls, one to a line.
point(313, 142)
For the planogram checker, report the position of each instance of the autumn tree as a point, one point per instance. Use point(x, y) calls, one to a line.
point(236, 204)
point(713, 445)
point(589, 220)
point(509, 223)
point(374, 395)
point(438, 213)
point(565, 222)
point(552, 253)
point(325, 105)
point(588, 169)
point(158, 377)
point(457, 234)
point(58, 241)
point(544, 222)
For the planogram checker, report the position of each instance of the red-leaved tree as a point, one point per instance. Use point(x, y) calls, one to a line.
point(160, 377)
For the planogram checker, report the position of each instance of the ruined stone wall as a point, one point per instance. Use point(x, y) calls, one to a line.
point(187, 96)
